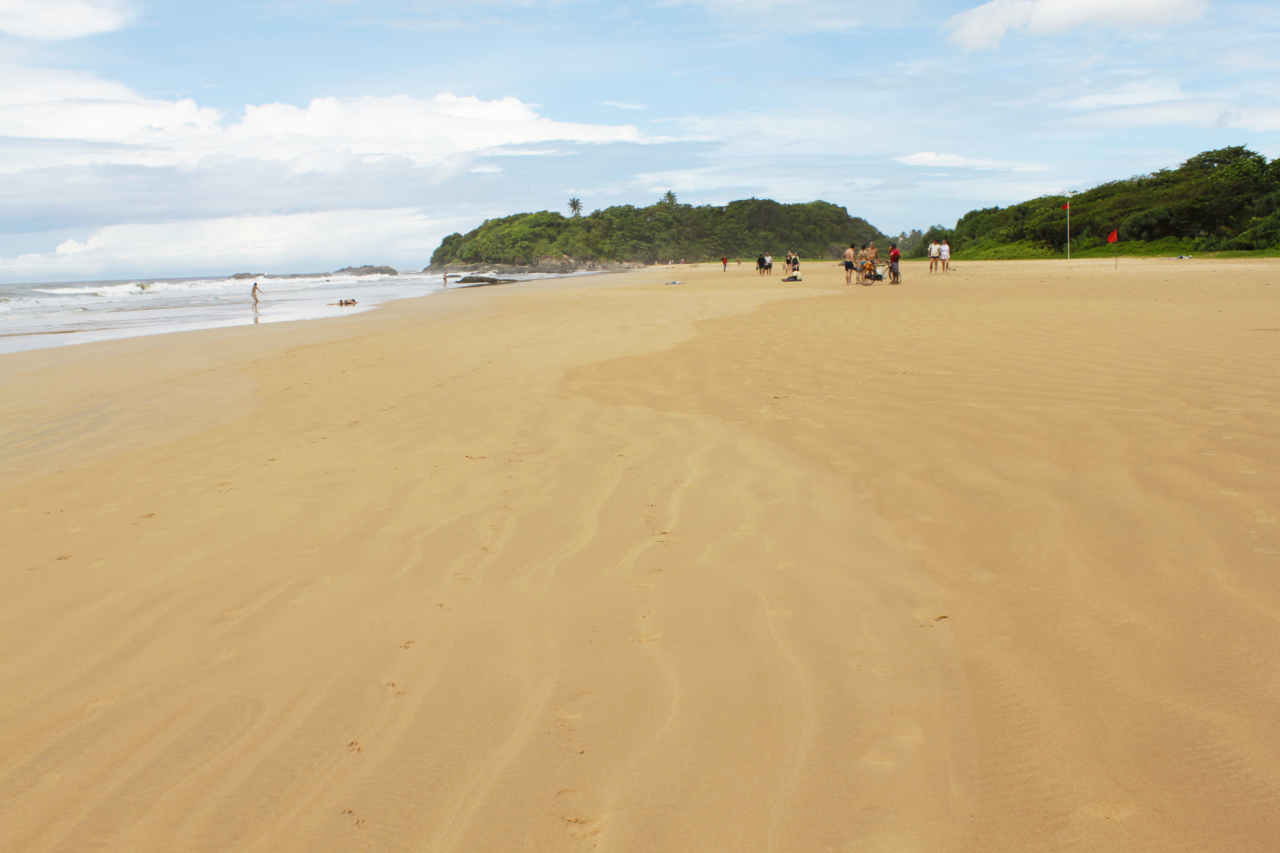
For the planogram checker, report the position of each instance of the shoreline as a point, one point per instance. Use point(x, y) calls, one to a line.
point(158, 313)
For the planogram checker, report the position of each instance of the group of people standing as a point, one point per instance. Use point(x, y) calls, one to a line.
point(939, 256)
point(863, 262)
point(764, 264)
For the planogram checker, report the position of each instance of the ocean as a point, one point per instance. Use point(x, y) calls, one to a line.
point(35, 316)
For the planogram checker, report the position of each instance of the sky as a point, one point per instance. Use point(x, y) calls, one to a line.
point(151, 138)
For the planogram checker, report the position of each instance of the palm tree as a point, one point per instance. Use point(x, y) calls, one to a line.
point(669, 197)
point(575, 206)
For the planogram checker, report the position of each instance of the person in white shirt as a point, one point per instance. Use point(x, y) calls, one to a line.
point(944, 255)
point(934, 252)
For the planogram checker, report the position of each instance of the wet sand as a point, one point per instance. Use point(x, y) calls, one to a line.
point(983, 562)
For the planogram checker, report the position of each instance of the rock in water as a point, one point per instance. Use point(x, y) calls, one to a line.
point(366, 270)
point(484, 279)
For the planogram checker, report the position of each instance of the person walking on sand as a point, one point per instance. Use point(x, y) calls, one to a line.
point(768, 263)
point(724, 260)
point(934, 251)
point(895, 276)
point(760, 265)
point(944, 255)
point(850, 262)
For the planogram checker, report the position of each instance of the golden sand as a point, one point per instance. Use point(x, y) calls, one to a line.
point(984, 562)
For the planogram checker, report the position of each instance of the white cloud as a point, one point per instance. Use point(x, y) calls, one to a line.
point(61, 19)
point(292, 242)
point(111, 123)
point(1131, 94)
point(622, 105)
point(761, 17)
point(1189, 112)
point(986, 25)
point(935, 159)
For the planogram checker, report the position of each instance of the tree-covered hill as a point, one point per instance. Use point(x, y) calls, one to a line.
point(1227, 199)
point(661, 232)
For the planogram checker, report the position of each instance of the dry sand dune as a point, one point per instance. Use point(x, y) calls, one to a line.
point(985, 562)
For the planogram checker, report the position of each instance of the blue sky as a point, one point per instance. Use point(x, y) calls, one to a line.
point(153, 138)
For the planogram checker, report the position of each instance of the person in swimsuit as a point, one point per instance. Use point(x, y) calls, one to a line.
point(254, 293)
point(850, 262)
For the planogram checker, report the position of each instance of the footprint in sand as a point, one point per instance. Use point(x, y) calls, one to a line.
point(101, 702)
point(886, 750)
point(1108, 811)
point(928, 615)
point(1091, 817)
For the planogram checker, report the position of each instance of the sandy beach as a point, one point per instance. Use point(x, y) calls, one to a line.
point(984, 562)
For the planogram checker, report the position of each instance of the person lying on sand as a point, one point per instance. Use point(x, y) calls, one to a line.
point(344, 302)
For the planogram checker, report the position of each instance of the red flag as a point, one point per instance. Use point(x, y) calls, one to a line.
point(1067, 206)
point(1113, 236)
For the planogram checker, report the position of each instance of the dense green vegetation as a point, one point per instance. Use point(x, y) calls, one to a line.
point(661, 232)
point(1227, 199)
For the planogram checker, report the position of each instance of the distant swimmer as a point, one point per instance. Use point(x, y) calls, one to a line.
point(850, 262)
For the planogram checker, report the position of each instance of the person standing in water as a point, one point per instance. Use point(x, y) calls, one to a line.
point(254, 293)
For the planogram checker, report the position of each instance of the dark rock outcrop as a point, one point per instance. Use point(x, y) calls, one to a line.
point(484, 279)
point(366, 270)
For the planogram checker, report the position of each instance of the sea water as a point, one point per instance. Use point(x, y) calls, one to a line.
point(34, 316)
